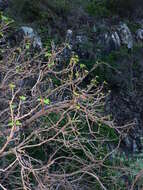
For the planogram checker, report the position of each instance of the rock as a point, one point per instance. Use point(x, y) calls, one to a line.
point(112, 41)
point(116, 39)
point(23, 32)
point(31, 34)
point(69, 41)
point(82, 45)
point(125, 35)
point(3, 5)
point(109, 41)
point(69, 36)
point(67, 51)
point(139, 34)
point(81, 39)
point(13, 38)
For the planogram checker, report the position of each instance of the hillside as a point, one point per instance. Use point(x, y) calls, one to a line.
point(71, 94)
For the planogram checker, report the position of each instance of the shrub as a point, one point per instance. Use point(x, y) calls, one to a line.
point(98, 8)
point(124, 8)
point(106, 8)
point(54, 133)
point(34, 10)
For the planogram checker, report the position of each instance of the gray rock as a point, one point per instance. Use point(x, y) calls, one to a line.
point(81, 39)
point(82, 45)
point(113, 41)
point(110, 41)
point(116, 39)
point(31, 34)
point(125, 35)
point(135, 147)
point(69, 40)
point(69, 36)
point(139, 34)
point(67, 51)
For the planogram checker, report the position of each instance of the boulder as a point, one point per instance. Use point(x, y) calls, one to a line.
point(23, 32)
point(82, 45)
point(81, 39)
point(31, 34)
point(112, 41)
point(69, 36)
point(139, 34)
point(125, 35)
point(109, 41)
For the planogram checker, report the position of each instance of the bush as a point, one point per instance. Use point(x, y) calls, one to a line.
point(98, 8)
point(34, 10)
point(124, 8)
point(54, 133)
point(106, 8)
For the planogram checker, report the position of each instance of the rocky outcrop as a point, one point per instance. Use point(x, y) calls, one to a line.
point(139, 34)
point(15, 37)
point(115, 37)
point(110, 41)
point(32, 35)
point(125, 35)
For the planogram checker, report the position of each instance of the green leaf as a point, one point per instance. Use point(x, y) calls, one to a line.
point(82, 66)
point(48, 54)
point(14, 106)
point(23, 98)
point(77, 107)
point(27, 46)
point(1, 34)
point(12, 86)
point(18, 123)
point(10, 124)
point(46, 101)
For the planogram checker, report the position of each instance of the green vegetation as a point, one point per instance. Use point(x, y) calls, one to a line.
point(98, 8)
